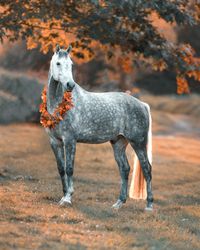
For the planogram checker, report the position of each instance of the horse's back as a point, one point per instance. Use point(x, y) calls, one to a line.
point(114, 98)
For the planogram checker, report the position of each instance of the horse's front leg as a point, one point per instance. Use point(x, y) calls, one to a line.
point(69, 152)
point(58, 149)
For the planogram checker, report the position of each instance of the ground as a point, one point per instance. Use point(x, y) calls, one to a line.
point(31, 188)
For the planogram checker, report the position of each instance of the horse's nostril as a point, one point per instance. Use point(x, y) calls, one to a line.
point(58, 63)
point(69, 86)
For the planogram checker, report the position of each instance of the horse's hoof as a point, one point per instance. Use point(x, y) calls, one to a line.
point(65, 201)
point(118, 204)
point(149, 208)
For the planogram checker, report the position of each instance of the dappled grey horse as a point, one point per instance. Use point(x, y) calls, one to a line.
point(96, 118)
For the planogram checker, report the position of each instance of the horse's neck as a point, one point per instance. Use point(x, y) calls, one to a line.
point(55, 93)
point(79, 94)
point(79, 90)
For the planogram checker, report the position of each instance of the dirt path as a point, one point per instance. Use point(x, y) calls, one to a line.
point(31, 188)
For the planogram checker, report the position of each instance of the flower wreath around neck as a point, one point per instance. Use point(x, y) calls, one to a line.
point(51, 120)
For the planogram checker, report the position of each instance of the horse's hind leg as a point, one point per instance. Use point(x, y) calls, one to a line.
point(141, 152)
point(119, 148)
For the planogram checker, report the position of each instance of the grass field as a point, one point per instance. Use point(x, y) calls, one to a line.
point(31, 188)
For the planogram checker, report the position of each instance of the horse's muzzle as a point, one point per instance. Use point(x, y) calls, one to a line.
point(70, 86)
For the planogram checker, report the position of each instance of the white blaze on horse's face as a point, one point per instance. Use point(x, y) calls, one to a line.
point(61, 67)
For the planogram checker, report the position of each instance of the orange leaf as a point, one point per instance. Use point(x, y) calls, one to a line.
point(48, 120)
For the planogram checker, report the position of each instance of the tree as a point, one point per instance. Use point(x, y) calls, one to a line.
point(121, 28)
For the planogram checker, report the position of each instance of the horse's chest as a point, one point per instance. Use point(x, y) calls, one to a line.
point(53, 134)
point(58, 132)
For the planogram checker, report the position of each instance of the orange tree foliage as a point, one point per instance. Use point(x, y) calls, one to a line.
point(113, 26)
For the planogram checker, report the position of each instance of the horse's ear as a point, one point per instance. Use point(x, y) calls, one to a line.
point(69, 49)
point(57, 48)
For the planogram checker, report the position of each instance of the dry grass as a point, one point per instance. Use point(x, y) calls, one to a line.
point(31, 188)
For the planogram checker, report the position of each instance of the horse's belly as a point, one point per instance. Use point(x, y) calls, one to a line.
point(95, 138)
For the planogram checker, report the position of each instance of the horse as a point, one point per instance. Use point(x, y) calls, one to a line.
point(114, 117)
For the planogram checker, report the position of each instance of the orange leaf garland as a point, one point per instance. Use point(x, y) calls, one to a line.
point(50, 120)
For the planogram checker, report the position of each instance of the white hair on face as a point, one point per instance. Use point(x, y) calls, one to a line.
point(70, 60)
point(61, 67)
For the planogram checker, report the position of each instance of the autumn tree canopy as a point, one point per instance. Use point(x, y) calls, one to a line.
point(121, 28)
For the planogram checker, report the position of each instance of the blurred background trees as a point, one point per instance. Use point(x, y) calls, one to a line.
point(117, 45)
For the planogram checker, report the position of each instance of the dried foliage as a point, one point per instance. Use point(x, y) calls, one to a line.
point(50, 120)
point(117, 25)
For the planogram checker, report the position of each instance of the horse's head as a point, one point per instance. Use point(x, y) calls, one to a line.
point(61, 67)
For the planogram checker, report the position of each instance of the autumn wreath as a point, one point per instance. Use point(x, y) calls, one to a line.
point(50, 120)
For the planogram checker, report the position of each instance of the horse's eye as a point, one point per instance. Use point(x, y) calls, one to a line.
point(58, 63)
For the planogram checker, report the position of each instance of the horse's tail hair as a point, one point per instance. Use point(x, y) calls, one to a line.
point(138, 184)
point(149, 139)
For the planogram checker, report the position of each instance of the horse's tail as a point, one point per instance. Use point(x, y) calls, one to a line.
point(149, 140)
point(138, 184)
